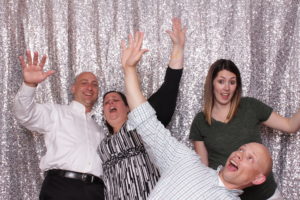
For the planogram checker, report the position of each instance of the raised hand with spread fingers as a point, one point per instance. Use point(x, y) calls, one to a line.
point(177, 36)
point(132, 54)
point(32, 70)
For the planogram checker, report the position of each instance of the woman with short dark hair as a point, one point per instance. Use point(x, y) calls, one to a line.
point(127, 167)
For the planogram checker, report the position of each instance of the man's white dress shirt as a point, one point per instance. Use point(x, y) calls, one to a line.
point(71, 135)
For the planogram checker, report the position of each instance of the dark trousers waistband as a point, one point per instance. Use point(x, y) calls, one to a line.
point(87, 178)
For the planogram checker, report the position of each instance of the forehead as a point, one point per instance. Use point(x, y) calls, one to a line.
point(226, 73)
point(257, 149)
point(249, 147)
point(112, 95)
point(86, 76)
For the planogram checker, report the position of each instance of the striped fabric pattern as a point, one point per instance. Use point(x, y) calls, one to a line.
point(128, 171)
point(183, 176)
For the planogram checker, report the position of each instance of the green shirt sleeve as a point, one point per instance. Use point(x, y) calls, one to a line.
point(262, 110)
point(195, 132)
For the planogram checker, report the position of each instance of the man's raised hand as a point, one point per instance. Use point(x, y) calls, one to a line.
point(132, 54)
point(32, 69)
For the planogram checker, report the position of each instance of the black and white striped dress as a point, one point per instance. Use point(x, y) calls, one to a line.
point(128, 172)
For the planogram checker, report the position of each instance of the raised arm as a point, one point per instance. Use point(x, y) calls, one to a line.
point(177, 36)
point(33, 116)
point(32, 70)
point(130, 58)
point(166, 150)
point(289, 125)
point(164, 99)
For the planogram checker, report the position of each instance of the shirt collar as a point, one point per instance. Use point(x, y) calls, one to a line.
point(75, 105)
point(221, 184)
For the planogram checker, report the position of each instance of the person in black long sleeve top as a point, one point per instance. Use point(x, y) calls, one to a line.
point(128, 170)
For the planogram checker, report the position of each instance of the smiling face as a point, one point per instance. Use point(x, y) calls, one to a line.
point(85, 90)
point(247, 166)
point(115, 110)
point(224, 87)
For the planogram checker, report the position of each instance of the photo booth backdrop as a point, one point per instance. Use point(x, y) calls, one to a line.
point(262, 37)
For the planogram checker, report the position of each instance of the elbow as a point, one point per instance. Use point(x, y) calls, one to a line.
point(24, 121)
point(293, 126)
point(288, 125)
point(293, 130)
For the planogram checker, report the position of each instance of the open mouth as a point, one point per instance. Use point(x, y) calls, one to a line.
point(233, 166)
point(225, 95)
point(112, 109)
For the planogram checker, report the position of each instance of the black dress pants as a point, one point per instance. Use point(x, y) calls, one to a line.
point(61, 188)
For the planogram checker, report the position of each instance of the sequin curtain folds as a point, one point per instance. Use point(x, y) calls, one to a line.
point(262, 37)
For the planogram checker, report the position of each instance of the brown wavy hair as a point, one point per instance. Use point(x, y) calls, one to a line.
point(215, 68)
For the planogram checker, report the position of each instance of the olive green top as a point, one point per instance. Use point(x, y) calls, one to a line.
point(221, 139)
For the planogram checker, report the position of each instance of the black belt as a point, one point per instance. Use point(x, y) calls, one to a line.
point(87, 178)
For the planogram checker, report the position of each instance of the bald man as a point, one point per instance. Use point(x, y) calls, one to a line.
point(71, 163)
point(249, 165)
point(183, 175)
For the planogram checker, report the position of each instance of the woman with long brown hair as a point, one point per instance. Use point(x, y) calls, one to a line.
point(229, 120)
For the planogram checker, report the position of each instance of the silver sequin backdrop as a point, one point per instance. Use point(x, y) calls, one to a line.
point(261, 36)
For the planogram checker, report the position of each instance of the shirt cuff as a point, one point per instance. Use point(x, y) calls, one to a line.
point(26, 90)
point(140, 114)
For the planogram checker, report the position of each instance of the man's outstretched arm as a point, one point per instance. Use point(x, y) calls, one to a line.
point(30, 114)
